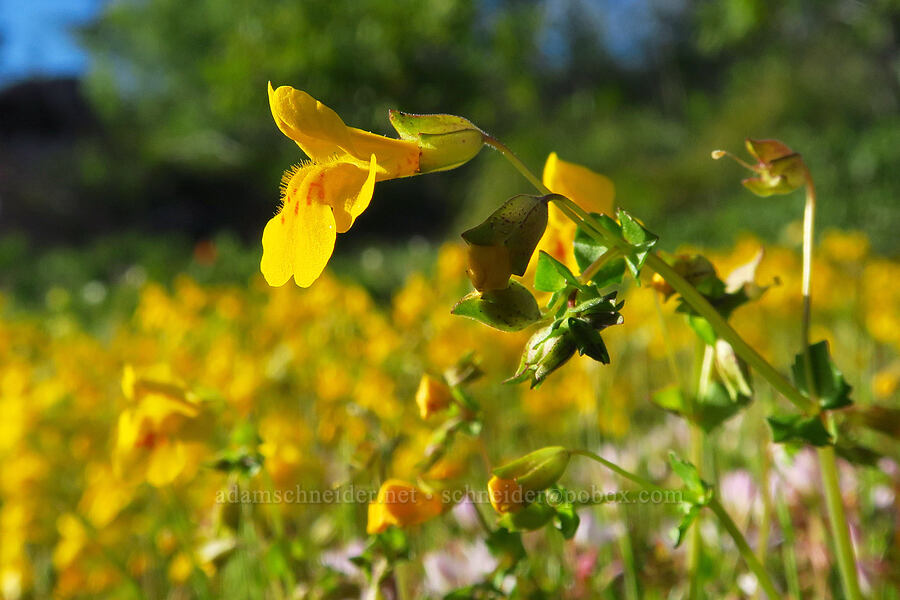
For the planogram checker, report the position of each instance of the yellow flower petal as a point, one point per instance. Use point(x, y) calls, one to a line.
point(322, 135)
point(592, 191)
point(317, 129)
point(396, 158)
point(299, 240)
point(348, 190)
point(167, 460)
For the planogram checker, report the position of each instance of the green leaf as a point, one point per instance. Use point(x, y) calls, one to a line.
point(717, 406)
point(703, 329)
point(830, 388)
point(510, 309)
point(587, 250)
point(518, 224)
point(699, 490)
point(690, 515)
point(588, 340)
point(551, 275)
point(670, 398)
point(641, 240)
point(797, 428)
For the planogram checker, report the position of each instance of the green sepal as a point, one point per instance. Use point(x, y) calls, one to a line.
point(588, 340)
point(534, 516)
point(536, 470)
point(800, 429)
point(510, 309)
point(518, 224)
point(410, 126)
point(831, 389)
point(566, 520)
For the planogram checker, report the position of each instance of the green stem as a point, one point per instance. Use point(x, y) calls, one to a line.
point(827, 464)
point(593, 268)
point(789, 556)
point(516, 162)
point(695, 552)
point(627, 550)
point(763, 542)
point(634, 478)
point(838, 519)
point(727, 333)
point(744, 548)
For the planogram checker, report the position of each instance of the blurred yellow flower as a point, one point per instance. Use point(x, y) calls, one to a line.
point(432, 396)
point(157, 434)
point(592, 191)
point(401, 504)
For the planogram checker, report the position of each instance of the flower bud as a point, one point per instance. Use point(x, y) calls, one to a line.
point(445, 141)
point(489, 267)
point(432, 396)
point(543, 355)
point(512, 232)
point(536, 470)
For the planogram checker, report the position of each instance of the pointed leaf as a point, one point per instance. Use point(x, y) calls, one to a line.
point(510, 309)
point(830, 388)
point(797, 428)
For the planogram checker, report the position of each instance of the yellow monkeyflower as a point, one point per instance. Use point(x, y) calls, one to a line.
point(401, 504)
point(432, 396)
point(323, 197)
point(158, 434)
point(592, 191)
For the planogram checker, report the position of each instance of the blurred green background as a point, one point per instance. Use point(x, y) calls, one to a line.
point(166, 140)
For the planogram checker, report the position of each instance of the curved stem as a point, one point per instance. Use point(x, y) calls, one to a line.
point(593, 268)
point(634, 478)
point(744, 548)
point(516, 162)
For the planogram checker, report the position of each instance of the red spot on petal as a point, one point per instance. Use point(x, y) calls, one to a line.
point(282, 219)
point(297, 207)
point(148, 440)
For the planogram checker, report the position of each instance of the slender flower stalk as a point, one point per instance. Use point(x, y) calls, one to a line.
point(740, 541)
point(744, 548)
point(837, 517)
point(695, 552)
